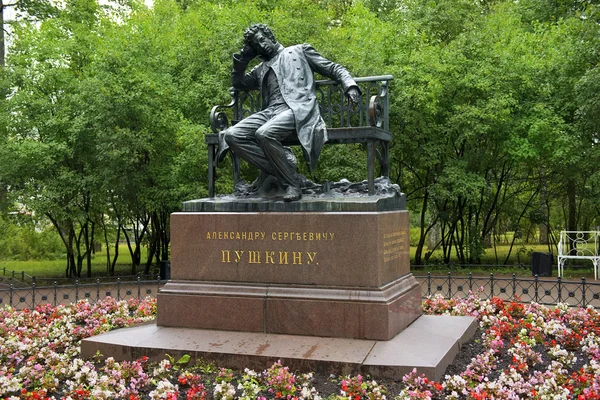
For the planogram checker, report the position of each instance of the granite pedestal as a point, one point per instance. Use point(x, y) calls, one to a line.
point(321, 273)
point(321, 284)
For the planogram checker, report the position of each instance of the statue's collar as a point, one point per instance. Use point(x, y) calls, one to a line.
point(272, 60)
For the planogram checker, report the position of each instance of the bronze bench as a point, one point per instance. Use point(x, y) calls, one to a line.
point(366, 122)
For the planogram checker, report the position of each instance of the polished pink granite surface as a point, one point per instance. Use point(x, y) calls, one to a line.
point(343, 249)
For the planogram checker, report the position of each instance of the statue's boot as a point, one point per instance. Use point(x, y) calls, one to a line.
point(266, 178)
point(240, 187)
point(258, 182)
point(292, 193)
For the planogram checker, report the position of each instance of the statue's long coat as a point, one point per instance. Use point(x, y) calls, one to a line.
point(294, 67)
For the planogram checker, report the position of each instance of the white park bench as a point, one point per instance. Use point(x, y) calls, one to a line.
point(579, 245)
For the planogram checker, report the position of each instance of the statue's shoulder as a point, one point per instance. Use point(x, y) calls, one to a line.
point(298, 48)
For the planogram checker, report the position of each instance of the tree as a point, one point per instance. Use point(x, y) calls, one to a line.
point(47, 139)
point(480, 115)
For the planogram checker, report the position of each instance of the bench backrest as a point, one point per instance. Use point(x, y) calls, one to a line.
point(579, 244)
point(373, 109)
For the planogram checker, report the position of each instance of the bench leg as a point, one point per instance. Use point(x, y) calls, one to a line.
point(235, 161)
point(371, 166)
point(384, 161)
point(211, 170)
point(561, 263)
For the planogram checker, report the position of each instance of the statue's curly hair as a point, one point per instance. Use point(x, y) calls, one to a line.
point(253, 30)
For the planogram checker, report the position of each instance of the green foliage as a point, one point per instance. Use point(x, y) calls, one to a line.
point(21, 238)
point(182, 362)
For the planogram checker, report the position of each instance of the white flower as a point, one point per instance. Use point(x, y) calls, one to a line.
point(163, 367)
point(163, 388)
point(101, 393)
point(9, 385)
point(224, 390)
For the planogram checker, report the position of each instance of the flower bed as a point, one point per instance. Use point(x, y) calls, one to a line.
point(521, 351)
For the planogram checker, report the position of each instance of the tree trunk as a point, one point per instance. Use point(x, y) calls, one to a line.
point(572, 201)
point(151, 252)
point(155, 238)
point(106, 243)
point(572, 212)
point(90, 246)
point(2, 61)
point(423, 232)
point(491, 216)
point(114, 261)
point(487, 240)
point(544, 227)
point(523, 212)
point(67, 239)
point(71, 266)
point(164, 234)
point(80, 256)
point(135, 250)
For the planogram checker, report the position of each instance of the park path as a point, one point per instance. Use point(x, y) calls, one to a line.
point(540, 290)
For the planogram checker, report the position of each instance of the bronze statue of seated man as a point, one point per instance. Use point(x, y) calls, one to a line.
point(285, 79)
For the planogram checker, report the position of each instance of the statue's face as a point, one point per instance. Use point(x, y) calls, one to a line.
point(264, 46)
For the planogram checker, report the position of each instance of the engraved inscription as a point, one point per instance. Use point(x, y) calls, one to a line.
point(274, 236)
point(269, 257)
point(395, 244)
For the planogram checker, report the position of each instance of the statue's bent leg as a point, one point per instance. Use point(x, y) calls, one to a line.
point(241, 139)
point(269, 137)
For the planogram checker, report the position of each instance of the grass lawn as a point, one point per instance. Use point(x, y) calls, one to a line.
point(57, 268)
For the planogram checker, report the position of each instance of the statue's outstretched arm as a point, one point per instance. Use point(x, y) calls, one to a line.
point(328, 68)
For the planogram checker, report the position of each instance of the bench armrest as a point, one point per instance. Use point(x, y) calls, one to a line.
point(376, 111)
point(218, 118)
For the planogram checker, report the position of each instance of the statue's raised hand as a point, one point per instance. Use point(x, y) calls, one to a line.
point(247, 53)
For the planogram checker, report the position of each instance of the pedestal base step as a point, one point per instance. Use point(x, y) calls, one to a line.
point(429, 344)
point(357, 313)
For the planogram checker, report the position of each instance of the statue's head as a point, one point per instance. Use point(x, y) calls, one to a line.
point(262, 40)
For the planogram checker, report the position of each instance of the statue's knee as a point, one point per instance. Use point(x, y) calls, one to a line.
point(229, 137)
point(261, 136)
